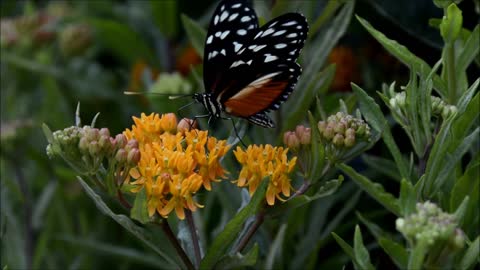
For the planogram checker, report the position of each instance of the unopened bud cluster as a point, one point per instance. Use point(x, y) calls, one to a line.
point(430, 224)
point(86, 147)
point(439, 107)
point(343, 130)
point(301, 136)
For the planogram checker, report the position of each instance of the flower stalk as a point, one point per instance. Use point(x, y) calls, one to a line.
point(193, 233)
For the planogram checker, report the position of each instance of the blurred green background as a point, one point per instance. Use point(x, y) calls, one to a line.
point(55, 54)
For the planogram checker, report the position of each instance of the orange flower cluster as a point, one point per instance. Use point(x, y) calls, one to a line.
point(174, 165)
point(260, 162)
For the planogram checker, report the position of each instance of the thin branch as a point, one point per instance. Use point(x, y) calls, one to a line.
point(246, 238)
point(171, 236)
point(193, 233)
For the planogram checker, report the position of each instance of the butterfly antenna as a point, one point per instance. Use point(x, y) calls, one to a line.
point(145, 93)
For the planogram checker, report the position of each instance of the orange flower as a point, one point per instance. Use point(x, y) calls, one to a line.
point(187, 59)
point(346, 68)
point(265, 161)
point(174, 166)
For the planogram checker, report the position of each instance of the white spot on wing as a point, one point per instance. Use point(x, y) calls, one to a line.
point(289, 23)
point(236, 5)
point(278, 33)
point(209, 39)
point(280, 45)
point(268, 32)
point(249, 62)
point(237, 46)
point(245, 19)
point(215, 20)
point(223, 52)
point(242, 32)
point(217, 34)
point(224, 34)
point(292, 35)
point(232, 17)
point(270, 58)
point(223, 16)
point(299, 27)
point(237, 63)
point(258, 34)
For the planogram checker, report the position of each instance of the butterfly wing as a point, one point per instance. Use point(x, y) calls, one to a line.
point(230, 27)
point(264, 71)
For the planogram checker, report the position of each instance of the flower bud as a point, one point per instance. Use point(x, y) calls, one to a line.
point(121, 156)
point(329, 132)
point(186, 124)
point(120, 140)
point(83, 144)
point(104, 132)
point(290, 139)
point(93, 148)
point(349, 140)
point(339, 128)
point(322, 126)
point(169, 122)
point(133, 157)
point(131, 144)
point(338, 140)
point(306, 136)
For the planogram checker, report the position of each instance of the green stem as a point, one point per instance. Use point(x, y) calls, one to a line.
point(193, 233)
point(451, 79)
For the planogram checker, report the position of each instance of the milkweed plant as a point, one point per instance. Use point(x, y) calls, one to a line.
point(200, 199)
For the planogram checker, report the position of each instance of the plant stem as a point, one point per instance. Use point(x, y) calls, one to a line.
point(246, 238)
point(193, 234)
point(451, 78)
point(171, 236)
point(122, 200)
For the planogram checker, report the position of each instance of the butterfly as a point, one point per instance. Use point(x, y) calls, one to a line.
point(250, 70)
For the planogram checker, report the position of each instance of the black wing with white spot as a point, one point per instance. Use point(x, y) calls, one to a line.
point(231, 25)
point(265, 71)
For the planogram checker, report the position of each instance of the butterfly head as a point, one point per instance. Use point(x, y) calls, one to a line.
point(213, 107)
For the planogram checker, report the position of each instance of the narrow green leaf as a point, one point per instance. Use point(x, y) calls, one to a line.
point(417, 255)
point(360, 251)
point(276, 250)
point(374, 229)
point(467, 97)
point(374, 116)
point(345, 246)
point(471, 255)
point(373, 189)
point(221, 243)
point(461, 210)
point(196, 34)
point(469, 52)
point(327, 189)
point(122, 40)
point(239, 261)
point(396, 251)
point(43, 203)
point(139, 210)
point(78, 119)
point(404, 55)
point(47, 132)
point(165, 14)
point(453, 159)
point(382, 165)
point(408, 198)
point(139, 232)
point(317, 153)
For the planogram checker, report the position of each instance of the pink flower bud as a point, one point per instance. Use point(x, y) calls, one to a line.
point(290, 139)
point(186, 124)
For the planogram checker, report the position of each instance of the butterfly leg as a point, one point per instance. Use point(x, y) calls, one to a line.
point(235, 129)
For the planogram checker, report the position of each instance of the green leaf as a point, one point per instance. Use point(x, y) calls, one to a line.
point(145, 236)
point(42, 204)
point(139, 210)
point(471, 255)
point(239, 261)
point(275, 251)
point(165, 14)
point(221, 243)
point(469, 51)
point(372, 227)
point(417, 255)
point(196, 34)
point(375, 190)
point(122, 40)
point(408, 198)
point(346, 248)
point(468, 185)
point(382, 165)
point(48, 133)
point(361, 253)
point(317, 153)
point(374, 116)
point(467, 97)
point(327, 189)
point(451, 23)
point(396, 251)
point(404, 55)
point(461, 210)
